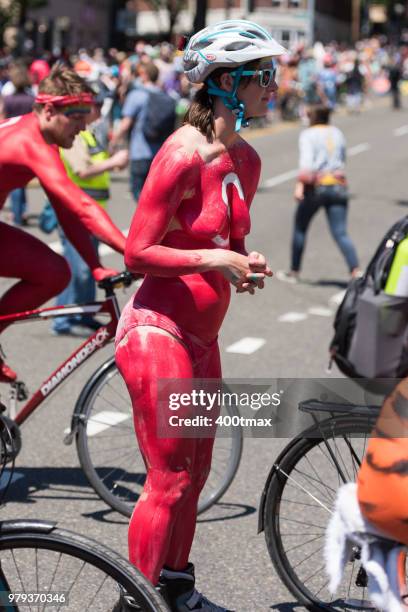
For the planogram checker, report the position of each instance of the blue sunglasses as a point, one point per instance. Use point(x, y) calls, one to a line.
point(266, 75)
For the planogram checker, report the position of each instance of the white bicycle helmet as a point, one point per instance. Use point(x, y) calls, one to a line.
point(227, 43)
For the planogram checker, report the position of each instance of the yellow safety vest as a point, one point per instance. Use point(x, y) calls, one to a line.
point(97, 187)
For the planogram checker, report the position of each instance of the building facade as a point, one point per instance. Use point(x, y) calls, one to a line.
point(288, 20)
point(72, 23)
point(101, 23)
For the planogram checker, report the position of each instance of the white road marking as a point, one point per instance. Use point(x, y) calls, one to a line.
point(103, 420)
point(103, 249)
point(292, 317)
point(280, 178)
point(337, 298)
point(320, 311)
point(401, 131)
point(246, 346)
point(360, 148)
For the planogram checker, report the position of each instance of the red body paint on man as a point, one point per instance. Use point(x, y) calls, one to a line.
point(28, 149)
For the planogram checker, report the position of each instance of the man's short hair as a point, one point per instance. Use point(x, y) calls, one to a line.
point(151, 70)
point(63, 81)
point(319, 114)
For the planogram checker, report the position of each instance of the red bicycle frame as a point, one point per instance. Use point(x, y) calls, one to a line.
point(93, 343)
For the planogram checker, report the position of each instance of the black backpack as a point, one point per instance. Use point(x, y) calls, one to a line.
point(160, 118)
point(371, 327)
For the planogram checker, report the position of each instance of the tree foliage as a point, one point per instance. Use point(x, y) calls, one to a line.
point(13, 12)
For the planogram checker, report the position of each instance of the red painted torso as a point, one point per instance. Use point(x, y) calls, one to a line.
point(212, 212)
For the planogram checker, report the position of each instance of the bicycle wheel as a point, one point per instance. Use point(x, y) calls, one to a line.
point(88, 574)
point(298, 505)
point(109, 455)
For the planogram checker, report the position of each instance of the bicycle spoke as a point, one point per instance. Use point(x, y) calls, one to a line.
point(98, 590)
point(308, 557)
point(306, 580)
point(324, 585)
point(303, 489)
point(288, 550)
point(311, 479)
point(318, 479)
point(18, 573)
point(300, 503)
point(290, 520)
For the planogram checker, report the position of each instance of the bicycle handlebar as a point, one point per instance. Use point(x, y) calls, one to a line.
point(124, 279)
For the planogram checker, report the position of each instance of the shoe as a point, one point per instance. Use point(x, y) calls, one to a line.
point(177, 588)
point(287, 277)
point(7, 375)
point(356, 273)
point(91, 324)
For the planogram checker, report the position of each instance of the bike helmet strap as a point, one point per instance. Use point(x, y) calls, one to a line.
point(230, 98)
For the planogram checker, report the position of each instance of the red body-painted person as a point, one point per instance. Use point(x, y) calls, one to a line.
point(187, 237)
point(28, 149)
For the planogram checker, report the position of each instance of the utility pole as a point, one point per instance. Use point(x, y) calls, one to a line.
point(355, 20)
point(200, 15)
point(21, 26)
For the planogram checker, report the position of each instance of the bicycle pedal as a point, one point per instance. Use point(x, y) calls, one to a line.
point(21, 390)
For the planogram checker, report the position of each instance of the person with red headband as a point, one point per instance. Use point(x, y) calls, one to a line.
point(188, 238)
point(29, 148)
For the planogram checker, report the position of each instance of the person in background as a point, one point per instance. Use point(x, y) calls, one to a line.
point(321, 184)
point(18, 103)
point(354, 87)
point(327, 82)
point(395, 76)
point(38, 70)
point(134, 119)
point(87, 164)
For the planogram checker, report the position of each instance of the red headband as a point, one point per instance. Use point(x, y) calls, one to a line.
point(64, 100)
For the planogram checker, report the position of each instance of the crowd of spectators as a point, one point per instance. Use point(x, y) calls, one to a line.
point(333, 74)
point(336, 74)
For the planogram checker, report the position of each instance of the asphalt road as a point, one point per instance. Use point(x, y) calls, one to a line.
point(291, 325)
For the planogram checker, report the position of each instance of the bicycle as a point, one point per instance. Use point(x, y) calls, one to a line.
point(298, 498)
point(102, 422)
point(43, 566)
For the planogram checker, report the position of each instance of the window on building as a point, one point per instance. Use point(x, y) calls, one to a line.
point(295, 3)
point(285, 36)
point(276, 2)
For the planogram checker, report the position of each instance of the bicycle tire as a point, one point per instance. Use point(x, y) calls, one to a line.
point(120, 486)
point(293, 496)
point(97, 569)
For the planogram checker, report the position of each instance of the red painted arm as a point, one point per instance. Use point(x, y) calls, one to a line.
point(74, 208)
